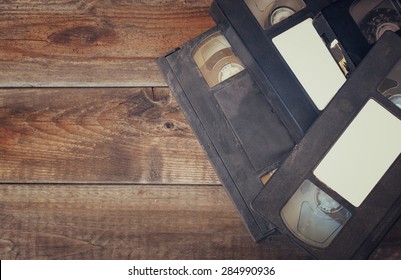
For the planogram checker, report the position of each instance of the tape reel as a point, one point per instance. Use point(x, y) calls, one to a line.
point(313, 216)
point(271, 12)
point(216, 60)
point(396, 99)
point(374, 17)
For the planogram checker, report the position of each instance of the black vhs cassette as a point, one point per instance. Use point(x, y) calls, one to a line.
point(304, 48)
point(339, 191)
point(288, 50)
point(240, 129)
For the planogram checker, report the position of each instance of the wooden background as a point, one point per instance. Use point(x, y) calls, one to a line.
point(96, 158)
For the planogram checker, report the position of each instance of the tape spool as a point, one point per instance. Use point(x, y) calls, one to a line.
point(282, 9)
point(327, 204)
point(313, 216)
point(228, 69)
point(216, 60)
point(396, 99)
point(280, 14)
point(378, 21)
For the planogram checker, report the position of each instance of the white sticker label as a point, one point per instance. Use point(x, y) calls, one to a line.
point(311, 62)
point(363, 153)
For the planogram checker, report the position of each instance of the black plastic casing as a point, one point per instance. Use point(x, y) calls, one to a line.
point(237, 125)
point(382, 207)
point(235, 15)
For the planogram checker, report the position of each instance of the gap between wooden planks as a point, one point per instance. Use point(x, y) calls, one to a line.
point(136, 222)
point(127, 222)
point(171, 207)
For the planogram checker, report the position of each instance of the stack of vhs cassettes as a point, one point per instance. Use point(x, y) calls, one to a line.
point(297, 104)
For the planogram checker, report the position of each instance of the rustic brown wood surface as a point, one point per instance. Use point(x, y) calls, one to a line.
point(134, 135)
point(97, 160)
point(93, 43)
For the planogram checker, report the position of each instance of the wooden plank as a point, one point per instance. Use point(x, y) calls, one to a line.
point(136, 135)
point(93, 43)
point(136, 222)
point(127, 222)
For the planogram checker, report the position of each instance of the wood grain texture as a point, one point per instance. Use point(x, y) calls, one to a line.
point(98, 135)
point(134, 182)
point(127, 222)
point(93, 43)
point(136, 222)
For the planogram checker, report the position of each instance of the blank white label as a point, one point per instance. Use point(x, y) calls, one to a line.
point(362, 155)
point(311, 62)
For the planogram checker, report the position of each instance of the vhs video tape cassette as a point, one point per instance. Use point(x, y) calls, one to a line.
point(239, 127)
point(339, 191)
point(305, 49)
point(294, 49)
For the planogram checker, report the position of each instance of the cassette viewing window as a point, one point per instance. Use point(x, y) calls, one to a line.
point(374, 17)
point(271, 12)
point(216, 60)
point(313, 216)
